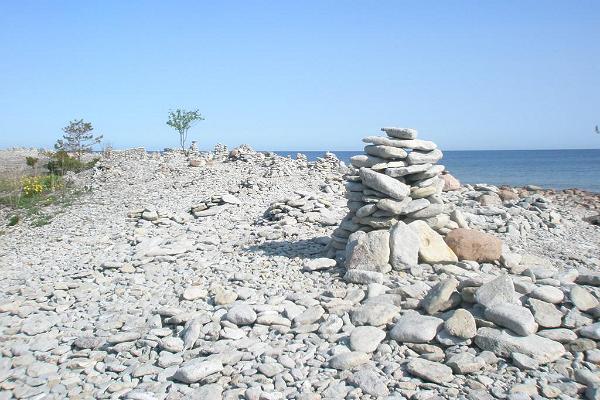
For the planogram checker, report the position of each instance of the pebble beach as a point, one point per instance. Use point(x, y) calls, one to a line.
point(239, 274)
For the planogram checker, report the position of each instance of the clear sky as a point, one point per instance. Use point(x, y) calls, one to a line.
point(303, 75)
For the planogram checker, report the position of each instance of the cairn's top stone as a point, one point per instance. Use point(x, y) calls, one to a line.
point(401, 133)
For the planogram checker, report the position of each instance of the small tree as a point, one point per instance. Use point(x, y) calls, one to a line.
point(78, 138)
point(182, 121)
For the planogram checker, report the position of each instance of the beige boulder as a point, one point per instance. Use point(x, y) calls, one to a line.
point(473, 245)
point(432, 248)
point(450, 182)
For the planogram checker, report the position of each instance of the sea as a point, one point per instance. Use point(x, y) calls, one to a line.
point(551, 169)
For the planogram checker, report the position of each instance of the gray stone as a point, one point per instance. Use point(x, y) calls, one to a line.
point(545, 314)
point(416, 328)
point(514, 317)
point(384, 184)
point(123, 337)
point(386, 152)
point(438, 298)
point(369, 382)
point(549, 294)
point(582, 298)
point(348, 360)
point(368, 251)
point(401, 133)
point(499, 290)
point(503, 344)
point(374, 314)
point(465, 363)
point(524, 362)
point(363, 277)
point(591, 331)
point(241, 314)
point(309, 316)
point(366, 338)
point(196, 370)
point(461, 324)
point(424, 157)
point(430, 371)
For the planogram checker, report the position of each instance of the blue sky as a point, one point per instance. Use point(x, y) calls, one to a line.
point(304, 75)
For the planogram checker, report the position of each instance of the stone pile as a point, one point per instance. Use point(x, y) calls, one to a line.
point(502, 210)
point(302, 207)
point(220, 151)
point(214, 205)
point(395, 183)
point(327, 162)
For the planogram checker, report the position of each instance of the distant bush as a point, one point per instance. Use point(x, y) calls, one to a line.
point(31, 161)
point(61, 162)
point(78, 138)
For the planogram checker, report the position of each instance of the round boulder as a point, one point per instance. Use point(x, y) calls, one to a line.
point(473, 245)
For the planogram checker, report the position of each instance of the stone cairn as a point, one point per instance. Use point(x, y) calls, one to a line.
point(396, 183)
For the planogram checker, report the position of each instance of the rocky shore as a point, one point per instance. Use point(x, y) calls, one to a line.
point(245, 275)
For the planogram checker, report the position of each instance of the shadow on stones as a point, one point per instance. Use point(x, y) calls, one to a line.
point(304, 248)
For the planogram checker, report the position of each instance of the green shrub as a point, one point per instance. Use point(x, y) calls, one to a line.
point(61, 162)
point(13, 220)
point(31, 161)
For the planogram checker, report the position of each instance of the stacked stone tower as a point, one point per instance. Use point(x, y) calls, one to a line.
point(396, 183)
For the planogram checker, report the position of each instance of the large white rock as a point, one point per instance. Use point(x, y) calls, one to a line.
point(512, 316)
point(499, 290)
point(368, 251)
point(416, 328)
point(432, 248)
point(503, 343)
point(366, 338)
point(195, 370)
point(404, 246)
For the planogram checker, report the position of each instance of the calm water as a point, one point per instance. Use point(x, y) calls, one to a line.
point(557, 169)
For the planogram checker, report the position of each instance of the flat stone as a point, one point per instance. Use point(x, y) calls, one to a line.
point(424, 157)
point(499, 290)
point(196, 370)
point(582, 298)
point(374, 314)
point(432, 248)
point(386, 152)
point(514, 317)
point(309, 316)
point(401, 133)
point(430, 371)
point(465, 363)
point(404, 246)
point(503, 344)
point(208, 392)
point(366, 338)
point(524, 362)
point(545, 314)
point(363, 277)
point(348, 360)
point(439, 297)
point(591, 331)
point(392, 206)
point(416, 328)
point(194, 292)
point(369, 382)
point(88, 342)
point(384, 184)
point(270, 370)
point(123, 337)
point(549, 294)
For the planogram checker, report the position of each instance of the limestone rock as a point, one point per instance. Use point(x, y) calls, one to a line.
point(503, 344)
point(404, 246)
point(432, 248)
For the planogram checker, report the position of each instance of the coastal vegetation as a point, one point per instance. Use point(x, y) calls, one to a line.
point(182, 121)
point(29, 193)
